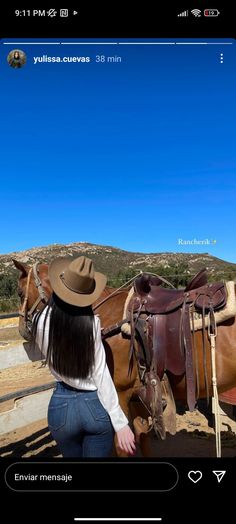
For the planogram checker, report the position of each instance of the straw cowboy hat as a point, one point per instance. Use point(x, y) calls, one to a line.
point(75, 281)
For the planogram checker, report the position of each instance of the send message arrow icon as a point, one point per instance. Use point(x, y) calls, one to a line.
point(219, 474)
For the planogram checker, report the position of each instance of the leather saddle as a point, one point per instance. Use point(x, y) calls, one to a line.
point(160, 324)
point(158, 300)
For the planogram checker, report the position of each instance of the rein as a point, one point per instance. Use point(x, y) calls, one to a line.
point(129, 282)
point(115, 292)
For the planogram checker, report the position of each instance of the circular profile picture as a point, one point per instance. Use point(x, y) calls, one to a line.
point(16, 58)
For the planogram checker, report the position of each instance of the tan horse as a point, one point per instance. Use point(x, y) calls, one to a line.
point(117, 348)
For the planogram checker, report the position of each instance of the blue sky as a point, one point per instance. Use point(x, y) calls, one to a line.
point(139, 154)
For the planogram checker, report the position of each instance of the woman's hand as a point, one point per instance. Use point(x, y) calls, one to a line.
point(126, 440)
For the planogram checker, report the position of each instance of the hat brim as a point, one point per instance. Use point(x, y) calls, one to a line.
point(59, 265)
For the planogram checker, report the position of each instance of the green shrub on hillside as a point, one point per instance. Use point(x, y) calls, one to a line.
point(8, 285)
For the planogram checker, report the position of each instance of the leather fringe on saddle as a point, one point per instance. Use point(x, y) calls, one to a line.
point(157, 397)
point(150, 393)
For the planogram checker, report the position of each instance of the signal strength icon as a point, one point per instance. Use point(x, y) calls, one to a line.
point(196, 12)
point(184, 13)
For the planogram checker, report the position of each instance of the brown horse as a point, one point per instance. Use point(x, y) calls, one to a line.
point(117, 347)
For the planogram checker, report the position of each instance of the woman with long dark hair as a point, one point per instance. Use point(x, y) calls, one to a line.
point(84, 410)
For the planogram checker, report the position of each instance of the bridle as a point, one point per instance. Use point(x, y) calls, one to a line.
point(24, 312)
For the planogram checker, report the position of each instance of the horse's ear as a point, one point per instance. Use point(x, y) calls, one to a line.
point(22, 267)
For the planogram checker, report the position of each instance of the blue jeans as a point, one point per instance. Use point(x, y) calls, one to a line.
point(79, 423)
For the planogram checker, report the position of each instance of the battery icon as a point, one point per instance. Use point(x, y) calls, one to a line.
point(211, 12)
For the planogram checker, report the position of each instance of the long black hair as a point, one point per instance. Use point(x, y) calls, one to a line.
point(71, 338)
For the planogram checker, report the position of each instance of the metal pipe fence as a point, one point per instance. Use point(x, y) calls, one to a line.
point(9, 315)
point(27, 391)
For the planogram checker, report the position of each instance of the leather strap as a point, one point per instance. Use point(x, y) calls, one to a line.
point(190, 376)
point(144, 350)
point(204, 352)
point(195, 353)
point(114, 329)
point(158, 345)
point(132, 340)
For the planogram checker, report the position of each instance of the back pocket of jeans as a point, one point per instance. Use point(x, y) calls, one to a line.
point(57, 416)
point(96, 409)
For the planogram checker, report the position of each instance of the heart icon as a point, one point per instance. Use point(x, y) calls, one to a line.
point(195, 476)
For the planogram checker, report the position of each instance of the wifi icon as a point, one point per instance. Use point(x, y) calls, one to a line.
point(196, 12)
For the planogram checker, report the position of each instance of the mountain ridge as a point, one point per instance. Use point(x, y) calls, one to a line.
point(114, 259)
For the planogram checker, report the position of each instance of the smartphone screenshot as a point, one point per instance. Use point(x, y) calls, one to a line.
point(117, 263)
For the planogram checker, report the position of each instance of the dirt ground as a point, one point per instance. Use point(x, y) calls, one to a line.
point(22, 377)
point(194, 438)
point(9, 332)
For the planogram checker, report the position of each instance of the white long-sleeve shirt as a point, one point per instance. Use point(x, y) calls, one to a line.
point(100, 378)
